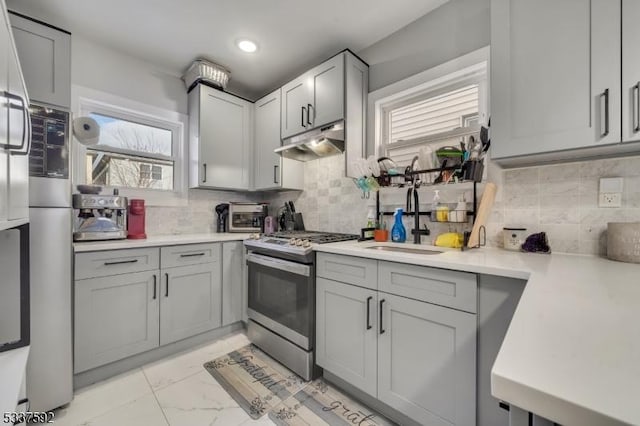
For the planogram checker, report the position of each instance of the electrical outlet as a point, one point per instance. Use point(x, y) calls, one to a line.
point(610, 199)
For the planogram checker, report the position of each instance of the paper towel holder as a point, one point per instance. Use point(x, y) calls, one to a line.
point(86, 130)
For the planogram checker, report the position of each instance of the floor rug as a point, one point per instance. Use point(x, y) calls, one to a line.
point(254, 380)
point(319, 404)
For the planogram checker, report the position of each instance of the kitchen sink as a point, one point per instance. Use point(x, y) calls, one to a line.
point(404, 250)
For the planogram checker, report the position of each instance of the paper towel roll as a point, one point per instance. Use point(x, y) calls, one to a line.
point(86, 130)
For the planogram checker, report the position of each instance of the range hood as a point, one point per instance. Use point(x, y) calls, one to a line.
point(318, 143)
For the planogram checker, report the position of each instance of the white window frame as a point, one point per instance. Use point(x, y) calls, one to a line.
point(469, 69)
point(88, 100)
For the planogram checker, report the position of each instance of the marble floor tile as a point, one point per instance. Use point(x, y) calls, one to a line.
point(170, 370)
point(100, 398)
point(199, 400)
point(144, 411)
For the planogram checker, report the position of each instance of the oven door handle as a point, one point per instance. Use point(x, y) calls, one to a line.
point(282, 265)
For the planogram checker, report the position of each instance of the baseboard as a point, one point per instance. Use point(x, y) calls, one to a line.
point(89, 377)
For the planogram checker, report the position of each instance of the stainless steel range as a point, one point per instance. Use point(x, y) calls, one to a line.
point(281, 270)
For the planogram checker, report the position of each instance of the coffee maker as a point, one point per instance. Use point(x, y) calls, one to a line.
point(99, 217)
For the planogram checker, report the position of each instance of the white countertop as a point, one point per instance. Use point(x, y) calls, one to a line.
point(8, 224)
point(572, 350)
point(12, 368)
point(158, 240)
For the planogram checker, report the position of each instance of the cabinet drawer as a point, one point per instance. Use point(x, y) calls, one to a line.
point(348, 269)
point(189, 254)
point(115, 262)
point(443, 287)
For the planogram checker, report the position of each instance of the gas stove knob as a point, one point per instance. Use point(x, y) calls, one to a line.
point(306, 243)
point(298, 242)
point(292, 242)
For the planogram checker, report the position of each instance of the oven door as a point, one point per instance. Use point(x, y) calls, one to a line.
point(282, 297)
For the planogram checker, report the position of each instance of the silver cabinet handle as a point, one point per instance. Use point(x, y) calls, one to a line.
point(636, 105)
point(192, 255)
point(120, 262)
point(166, 291)
point(309, 122)
point(605, 96)
point(369, 312)
point(275, 173)
point(204, 177)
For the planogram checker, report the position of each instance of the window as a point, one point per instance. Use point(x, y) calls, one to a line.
point(130, 155)
point(140, 150)
point(438, 107)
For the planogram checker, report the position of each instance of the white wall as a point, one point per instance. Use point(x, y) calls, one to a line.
point(454, 29)
point(101, 68)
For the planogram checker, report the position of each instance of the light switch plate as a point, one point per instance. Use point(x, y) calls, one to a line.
point(611, 185)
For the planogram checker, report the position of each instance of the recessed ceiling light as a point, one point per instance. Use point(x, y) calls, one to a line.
point(247, 46)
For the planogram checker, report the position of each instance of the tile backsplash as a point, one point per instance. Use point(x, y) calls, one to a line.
point(559, 199)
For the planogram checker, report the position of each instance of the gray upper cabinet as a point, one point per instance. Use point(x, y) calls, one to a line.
point(295, 98)
point(115, 317)
point(317, 97)
point(346, 332)
point(427, 361)
point(232, 274)
point(190, 301)
point(327, 89)
point(271, 170)
point(630, 71)
point(45, 56)
point(220, 139)
point(555, 76)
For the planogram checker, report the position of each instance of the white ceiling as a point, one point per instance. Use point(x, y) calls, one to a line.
point(292, 35)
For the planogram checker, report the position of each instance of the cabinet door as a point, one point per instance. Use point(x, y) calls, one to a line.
point(427, 361)
point(268, 164)
point(346, 330)
point(296, 97)
point(327, 81)
point(555, 75)
point(45, 55)
point(232, 257)
point(630, 71)
point(225, 132)
point(115, 317)
point(191, 300)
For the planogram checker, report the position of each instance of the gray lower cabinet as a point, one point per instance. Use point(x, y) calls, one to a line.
point(190, 301)
point(416, 357)
point(232, 286)
point(346, 335)
point(427, 361)
point(115, 317)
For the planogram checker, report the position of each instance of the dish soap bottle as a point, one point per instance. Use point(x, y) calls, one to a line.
point(442, 211)
point(398, 232)
point(371, 223)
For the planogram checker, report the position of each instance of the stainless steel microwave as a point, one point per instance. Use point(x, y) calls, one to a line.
point(14, 288)
point(246, 217)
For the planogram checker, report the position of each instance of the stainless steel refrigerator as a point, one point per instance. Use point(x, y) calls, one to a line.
point(50, 366)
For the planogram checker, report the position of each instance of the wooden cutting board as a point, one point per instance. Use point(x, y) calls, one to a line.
point(482, 215)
